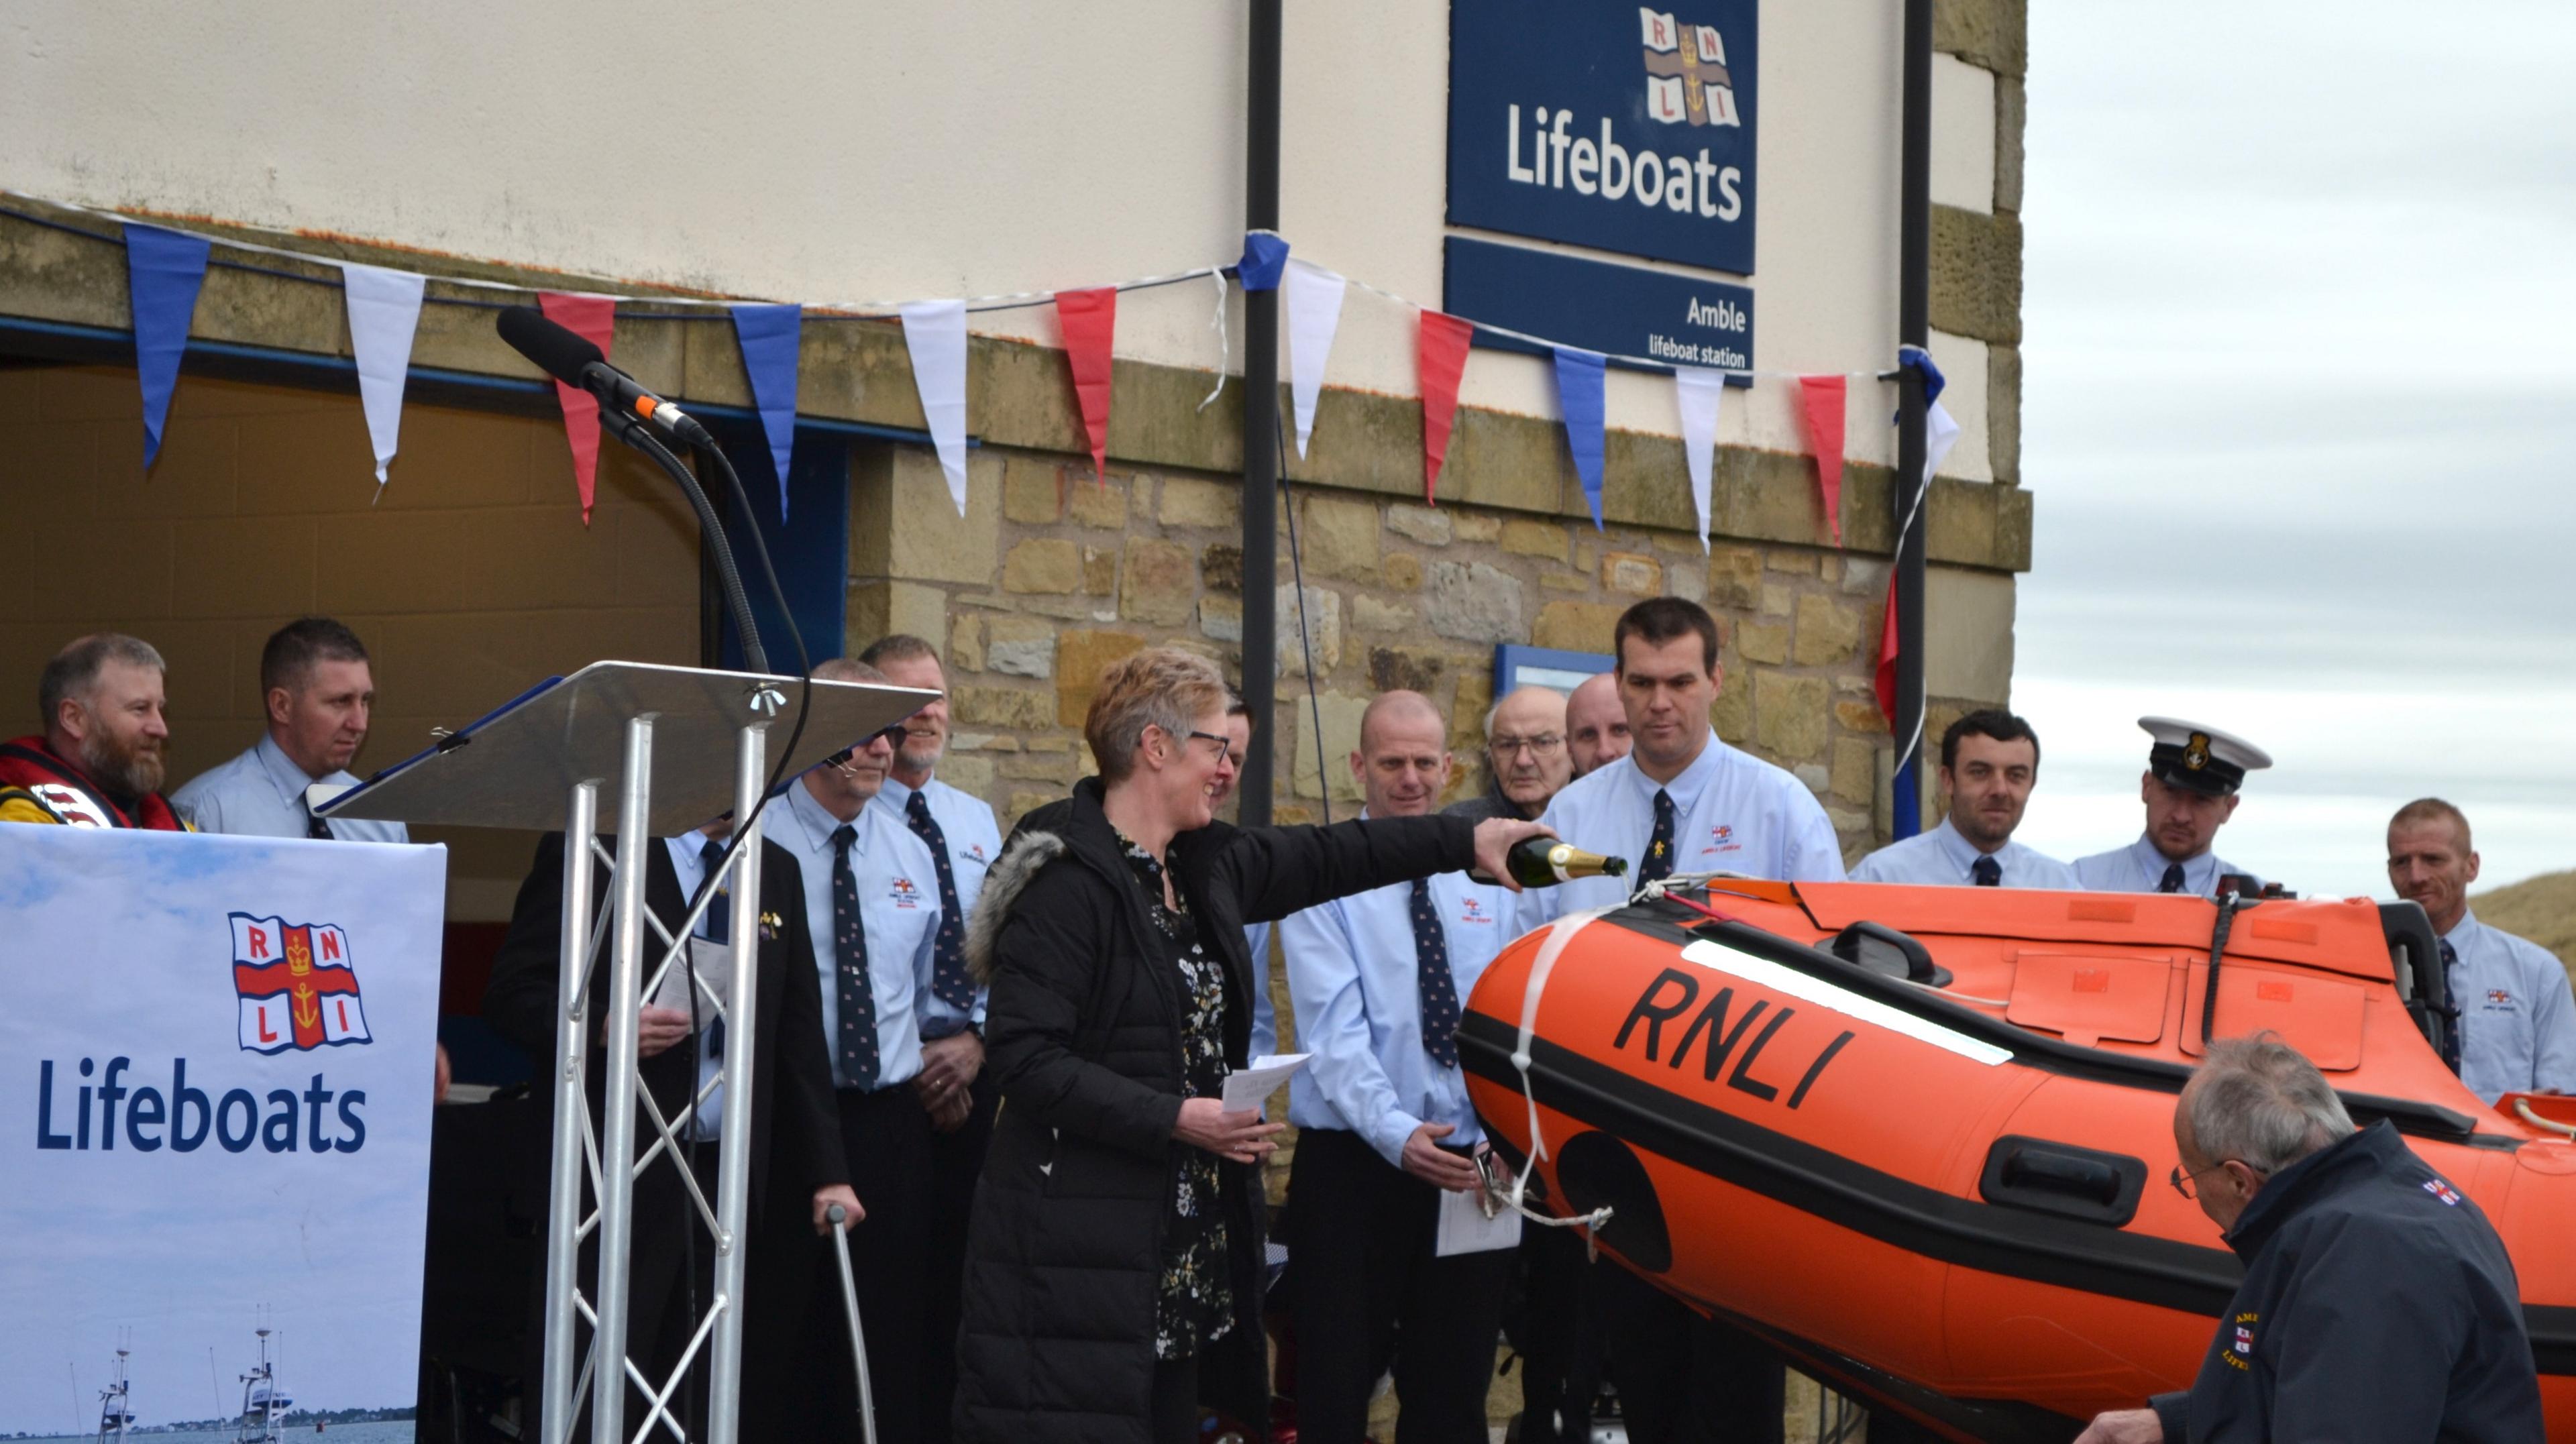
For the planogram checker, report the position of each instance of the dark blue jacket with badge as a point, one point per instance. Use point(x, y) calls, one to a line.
point(2378, 1304)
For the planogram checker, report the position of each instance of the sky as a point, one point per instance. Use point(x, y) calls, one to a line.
point(2299, 420)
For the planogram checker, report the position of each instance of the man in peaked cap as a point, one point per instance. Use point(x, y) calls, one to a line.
point(2193, 771)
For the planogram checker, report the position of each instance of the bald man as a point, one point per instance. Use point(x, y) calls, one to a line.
point(1385, 1131)
point(1596, 723)
point(1525, 757)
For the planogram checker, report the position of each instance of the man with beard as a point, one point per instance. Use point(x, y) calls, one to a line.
point(1525, 758)
point(963, 839)
point(1596, 726)
point(319, 693)
point(98, 763)
point(2516, 1030)
point(1989, 763)
point(2193, 772)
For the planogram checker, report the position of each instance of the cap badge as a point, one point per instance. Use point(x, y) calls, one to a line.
point(2195, 753)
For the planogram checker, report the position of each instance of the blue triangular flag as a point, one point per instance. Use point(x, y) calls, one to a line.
point(1265, 257)
point(1578, 398)
point(164, 270)
point(768, 336)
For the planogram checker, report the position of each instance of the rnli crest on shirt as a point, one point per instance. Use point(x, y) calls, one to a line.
point(903, 892)
point(2450, 1196)
point(1472, 913)
point(1721, 838)
point(2241, 1346)
point(2499, 998)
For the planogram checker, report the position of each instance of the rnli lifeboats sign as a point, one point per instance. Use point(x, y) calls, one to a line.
point(216, 1065)
point(1622, 127)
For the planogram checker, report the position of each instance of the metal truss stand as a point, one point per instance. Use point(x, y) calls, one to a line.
point(647, 732)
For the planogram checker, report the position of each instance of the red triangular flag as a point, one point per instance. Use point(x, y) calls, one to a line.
point(1443, 350)
point(594, 319)
point(1089, 318)
point(1821, 397)
point(1885, 683)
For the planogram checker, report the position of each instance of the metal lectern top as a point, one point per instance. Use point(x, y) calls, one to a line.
point(514, 767)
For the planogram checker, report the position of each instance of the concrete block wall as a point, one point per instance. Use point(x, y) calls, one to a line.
point(469, 579)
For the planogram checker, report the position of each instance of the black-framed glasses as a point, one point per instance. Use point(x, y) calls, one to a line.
point(892, 733)
point(1223, 744)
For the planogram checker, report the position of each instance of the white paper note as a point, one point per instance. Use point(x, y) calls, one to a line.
point(1464, 1228)
point(714, 962)
point(1248, 1088)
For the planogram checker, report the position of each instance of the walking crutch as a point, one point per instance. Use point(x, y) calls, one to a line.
point(850, 1302)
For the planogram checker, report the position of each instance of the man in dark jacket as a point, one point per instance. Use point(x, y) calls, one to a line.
point(2378, 1302)
point(797, 1168)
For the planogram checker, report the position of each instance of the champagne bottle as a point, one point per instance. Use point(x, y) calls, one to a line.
point(1546, 861)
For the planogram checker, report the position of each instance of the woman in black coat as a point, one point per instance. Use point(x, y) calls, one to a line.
point(1114, 1261)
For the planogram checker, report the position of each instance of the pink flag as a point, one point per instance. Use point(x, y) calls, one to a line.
point(1089, 319)
point(1821, 397)
point(1443, 350)
point(1884, 681)
point(594, 319)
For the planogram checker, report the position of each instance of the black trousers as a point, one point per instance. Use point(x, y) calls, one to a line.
point(1683, 1378)
point(956, 1161)
point(1361, 1237)
point(887, 1139)
point(1175, 1406)
point(1559, 1336)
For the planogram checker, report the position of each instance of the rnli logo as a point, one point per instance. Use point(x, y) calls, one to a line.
point(2499, 997)
point(2241, 1346)
point(1721, 838)
point(1473, 912)
point(295, 985)
point(1686, 79)
point(2450, 1196)
point(976, 851)
point(71, 804)
point(905, 894)
point(2195, 753)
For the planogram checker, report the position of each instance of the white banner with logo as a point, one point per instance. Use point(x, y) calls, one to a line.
point(215, 1063)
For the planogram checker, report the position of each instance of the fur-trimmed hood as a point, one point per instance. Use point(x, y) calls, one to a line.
point(1026, 855)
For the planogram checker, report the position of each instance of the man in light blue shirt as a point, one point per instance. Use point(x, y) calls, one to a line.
point(2189, 787)
point(1379, 981)
point(1989, 763)
point(1681, 801)
point(963, 840)
point(318, 692)
point(872, 903)
point(2516, 1016)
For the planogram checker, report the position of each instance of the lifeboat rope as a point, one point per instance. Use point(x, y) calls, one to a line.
point(2522, 1106)
point(1559, 933)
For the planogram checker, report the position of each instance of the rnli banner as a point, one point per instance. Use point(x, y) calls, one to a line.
point(216, 1061)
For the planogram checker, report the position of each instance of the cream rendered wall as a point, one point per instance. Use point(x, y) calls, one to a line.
point(819, 151)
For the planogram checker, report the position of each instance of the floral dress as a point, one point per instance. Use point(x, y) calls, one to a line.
point(1195, 1305)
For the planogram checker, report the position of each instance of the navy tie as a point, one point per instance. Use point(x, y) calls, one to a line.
point(1659, 848)
point(1439, 990)
point(2173, 878)
point(2451, 992)
point(315, 827)
point(857, 1045)
point(717, 925)
point(1987, 872)
point(948, 980)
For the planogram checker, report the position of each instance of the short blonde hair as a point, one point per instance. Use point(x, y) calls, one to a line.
point(1158, 687)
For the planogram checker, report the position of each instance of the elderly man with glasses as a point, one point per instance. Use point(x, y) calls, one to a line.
point(1526, 760)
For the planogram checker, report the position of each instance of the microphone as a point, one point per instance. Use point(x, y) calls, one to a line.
point(565, 356)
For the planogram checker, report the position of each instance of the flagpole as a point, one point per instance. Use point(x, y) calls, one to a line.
point(1260, 421)
point(1913, 250)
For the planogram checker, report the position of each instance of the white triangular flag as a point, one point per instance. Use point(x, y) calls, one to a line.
point(1698, 391)
point(384, 310)
point(1940, 433)
point(1314, 313)
point(935, 332)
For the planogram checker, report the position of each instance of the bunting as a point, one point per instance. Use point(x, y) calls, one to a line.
point(1578, 399)
point(1314, 314)
point(935, 333)
point(1089, 320)
point(594, 319)
point(1442, 350)
point(1699, 392)
point(1884, 683)
point(384, 312)
point(1820, 399)
point(1265, 256)
point(163, 271)
point(769, 337)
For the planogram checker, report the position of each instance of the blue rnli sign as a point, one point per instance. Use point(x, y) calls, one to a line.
point(1620, 311)
point(1621, 127)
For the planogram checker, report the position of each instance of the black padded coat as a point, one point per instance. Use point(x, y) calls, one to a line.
point(1064, 1252)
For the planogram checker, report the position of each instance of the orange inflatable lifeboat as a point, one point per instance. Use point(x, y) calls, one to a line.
point(1920, 1137)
